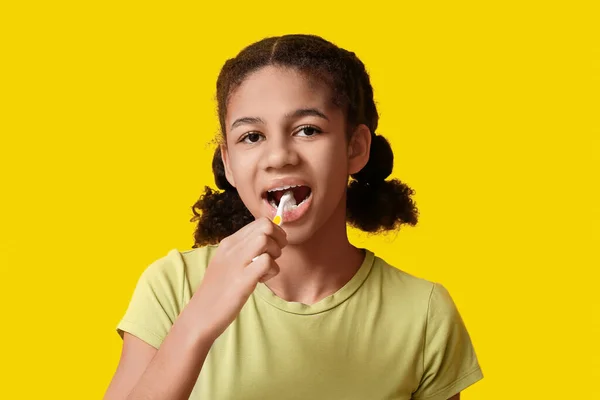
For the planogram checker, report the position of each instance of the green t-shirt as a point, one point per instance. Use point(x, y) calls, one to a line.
point(384, 335)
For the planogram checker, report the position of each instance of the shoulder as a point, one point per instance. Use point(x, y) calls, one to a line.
point(197, 259)
point(399, 283)
point(177, 266)
point(426, 298)
point(162, 290)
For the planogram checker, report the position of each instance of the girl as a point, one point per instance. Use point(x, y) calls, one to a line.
point(258, 310)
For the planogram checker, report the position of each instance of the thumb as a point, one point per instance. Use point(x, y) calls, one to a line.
point(262, 268)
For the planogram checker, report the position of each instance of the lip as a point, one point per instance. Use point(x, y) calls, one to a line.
point(290, 215)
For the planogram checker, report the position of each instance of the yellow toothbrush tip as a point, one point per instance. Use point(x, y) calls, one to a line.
point(277, 219)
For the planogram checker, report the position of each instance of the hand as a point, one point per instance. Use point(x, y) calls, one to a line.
point(232, 276)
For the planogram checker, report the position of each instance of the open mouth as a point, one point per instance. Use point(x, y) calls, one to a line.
point(301, 193)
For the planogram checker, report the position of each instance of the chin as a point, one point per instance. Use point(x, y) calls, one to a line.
point(301, 233)
point(297, 237)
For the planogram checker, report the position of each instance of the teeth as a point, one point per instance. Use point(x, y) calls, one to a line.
point(283, 188)
point(290, 206)
point(294, 206)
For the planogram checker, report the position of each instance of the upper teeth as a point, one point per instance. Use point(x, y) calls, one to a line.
point(283, 188)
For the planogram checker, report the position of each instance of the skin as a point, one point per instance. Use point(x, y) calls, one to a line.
point(318, 259)
point(315, 261)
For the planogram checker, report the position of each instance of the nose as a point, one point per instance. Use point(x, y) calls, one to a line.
point(280, 153)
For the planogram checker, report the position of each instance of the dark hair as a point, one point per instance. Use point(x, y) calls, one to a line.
point(373, 204)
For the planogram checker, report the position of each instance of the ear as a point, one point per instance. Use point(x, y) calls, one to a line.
point(226, 165)
point(359, 149)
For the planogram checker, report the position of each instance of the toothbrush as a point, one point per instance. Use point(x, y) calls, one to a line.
point(288, 197)
point(285, 199)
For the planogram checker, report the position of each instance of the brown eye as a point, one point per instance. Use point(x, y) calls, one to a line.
point(309, 131)
point(252, 137)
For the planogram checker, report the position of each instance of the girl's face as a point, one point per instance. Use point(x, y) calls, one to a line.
point(283, 130)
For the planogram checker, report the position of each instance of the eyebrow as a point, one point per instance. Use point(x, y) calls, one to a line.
point(302, 112)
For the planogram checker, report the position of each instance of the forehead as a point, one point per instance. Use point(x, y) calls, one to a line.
point(276, 90)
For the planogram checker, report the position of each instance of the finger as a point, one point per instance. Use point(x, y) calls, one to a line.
point(273, 272)
point(269, 275)
point(273, 230)
point(259, 245)
point(260, 225)
point(264, 266)
point(245, 231)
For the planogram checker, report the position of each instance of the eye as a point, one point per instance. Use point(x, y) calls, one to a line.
point(251, 137)
point(309, 131)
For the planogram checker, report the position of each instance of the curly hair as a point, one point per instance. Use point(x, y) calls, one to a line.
point(374, 204)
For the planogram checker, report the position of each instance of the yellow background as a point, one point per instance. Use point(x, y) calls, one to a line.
point(492, 109)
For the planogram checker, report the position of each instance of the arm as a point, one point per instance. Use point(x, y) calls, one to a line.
point(229, 280)
point(168, 373)
point(135, 357)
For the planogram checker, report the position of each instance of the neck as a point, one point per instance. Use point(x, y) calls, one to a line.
point(320, 266)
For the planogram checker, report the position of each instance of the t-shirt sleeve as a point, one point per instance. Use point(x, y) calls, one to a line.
point(156, 300)
point(449, 361)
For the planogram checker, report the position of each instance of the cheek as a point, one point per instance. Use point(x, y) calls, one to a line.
point(248, 195)
point(243, 164)
point(331, 165)
point(243, 171)
point(336, 161)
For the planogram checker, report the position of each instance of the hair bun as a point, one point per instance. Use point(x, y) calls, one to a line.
point(380, 164)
